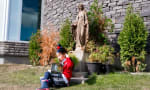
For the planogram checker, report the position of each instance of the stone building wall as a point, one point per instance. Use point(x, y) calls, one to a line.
point(14, 48)
point(14, 52)
point(56, 11)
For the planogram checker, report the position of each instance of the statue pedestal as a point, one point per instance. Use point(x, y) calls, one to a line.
point(80, 54)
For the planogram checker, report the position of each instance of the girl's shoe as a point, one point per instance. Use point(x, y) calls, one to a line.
point(43, 89)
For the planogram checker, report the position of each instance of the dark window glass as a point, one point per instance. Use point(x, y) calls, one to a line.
point(31, 11)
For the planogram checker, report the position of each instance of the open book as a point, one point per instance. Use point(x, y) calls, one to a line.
point(55, 68)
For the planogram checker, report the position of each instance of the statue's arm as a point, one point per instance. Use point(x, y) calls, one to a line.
point(77, 19)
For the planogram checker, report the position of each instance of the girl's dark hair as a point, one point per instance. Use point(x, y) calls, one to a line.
point(62, 50)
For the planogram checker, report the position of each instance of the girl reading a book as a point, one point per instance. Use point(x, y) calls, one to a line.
point(67, 66)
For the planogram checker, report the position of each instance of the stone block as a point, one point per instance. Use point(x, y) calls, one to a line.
point(118, 26)
point(112, 4)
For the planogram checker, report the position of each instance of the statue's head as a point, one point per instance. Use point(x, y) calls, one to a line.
point(81, 7)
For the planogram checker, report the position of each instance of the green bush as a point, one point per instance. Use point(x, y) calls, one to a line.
point(90, 47)
point(103, 54)
point(132, 40)
point(74, 59)
point(106, 54)
point(98, 24)
point(56, 60)
point(66, 39)
point(34, 48)
point(94, 57)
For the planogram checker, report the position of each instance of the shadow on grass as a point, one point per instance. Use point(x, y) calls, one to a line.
point(59, 87)
point(92, 79)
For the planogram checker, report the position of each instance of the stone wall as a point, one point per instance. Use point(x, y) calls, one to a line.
point(14, 52)
point(14, 48)
point(116, 10)
point(56, 11)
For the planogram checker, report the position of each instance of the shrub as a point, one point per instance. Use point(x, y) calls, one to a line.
point(49, 40)
point(74, 59)
point(132, 41)
point(106, 54)
point(66, 39)
point(34, 48)
point(98, 24)
point(94, 57)
point(90, 47)
point(103, 54)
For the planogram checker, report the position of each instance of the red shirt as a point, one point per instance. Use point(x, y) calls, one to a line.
point(67, 68)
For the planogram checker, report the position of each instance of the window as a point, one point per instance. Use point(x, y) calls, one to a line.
point(14, 25)
point(31, 10)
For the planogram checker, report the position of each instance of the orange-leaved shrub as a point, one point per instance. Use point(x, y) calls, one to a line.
point(49, 40)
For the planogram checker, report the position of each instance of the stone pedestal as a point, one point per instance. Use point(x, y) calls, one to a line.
point(81, 67)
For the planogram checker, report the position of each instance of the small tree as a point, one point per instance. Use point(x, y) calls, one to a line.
point(132, 41)
point(49, 40)
point(98, 24)
point(66, 39)
point(34, 48)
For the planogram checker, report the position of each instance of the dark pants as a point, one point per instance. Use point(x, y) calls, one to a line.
point(49, 80)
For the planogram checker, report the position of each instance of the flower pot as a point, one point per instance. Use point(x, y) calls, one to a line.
point(94, 68)
point(107, 68)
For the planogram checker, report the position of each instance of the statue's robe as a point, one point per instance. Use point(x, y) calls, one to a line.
point(82, 30)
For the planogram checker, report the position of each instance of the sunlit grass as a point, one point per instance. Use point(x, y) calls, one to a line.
point(114, 82)
point(29, 78)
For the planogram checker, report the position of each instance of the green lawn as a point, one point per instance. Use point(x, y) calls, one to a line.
point(28, 79)
point(115, 82)
point(20, 77)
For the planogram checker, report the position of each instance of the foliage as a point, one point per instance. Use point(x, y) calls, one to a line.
point(66, 39)
point(34, 48)
point(74, 59)
point(55, 60)
point(141, 67)
point(106, 54)
point(94, 57)
point(132, 40)
point(103, 54)
point(98, 24)
point(48, 44)
point(90, 47)
point(92, 79)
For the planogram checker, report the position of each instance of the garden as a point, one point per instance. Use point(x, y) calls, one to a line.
point(103, 74)
point(132, 41)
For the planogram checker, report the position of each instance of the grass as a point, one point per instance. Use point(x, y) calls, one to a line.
point(20, 77)
point(115, 81)
point(28, 79)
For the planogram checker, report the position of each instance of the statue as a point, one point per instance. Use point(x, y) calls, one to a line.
point(80, 29)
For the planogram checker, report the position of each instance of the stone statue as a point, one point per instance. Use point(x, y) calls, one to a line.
point(80, 29)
